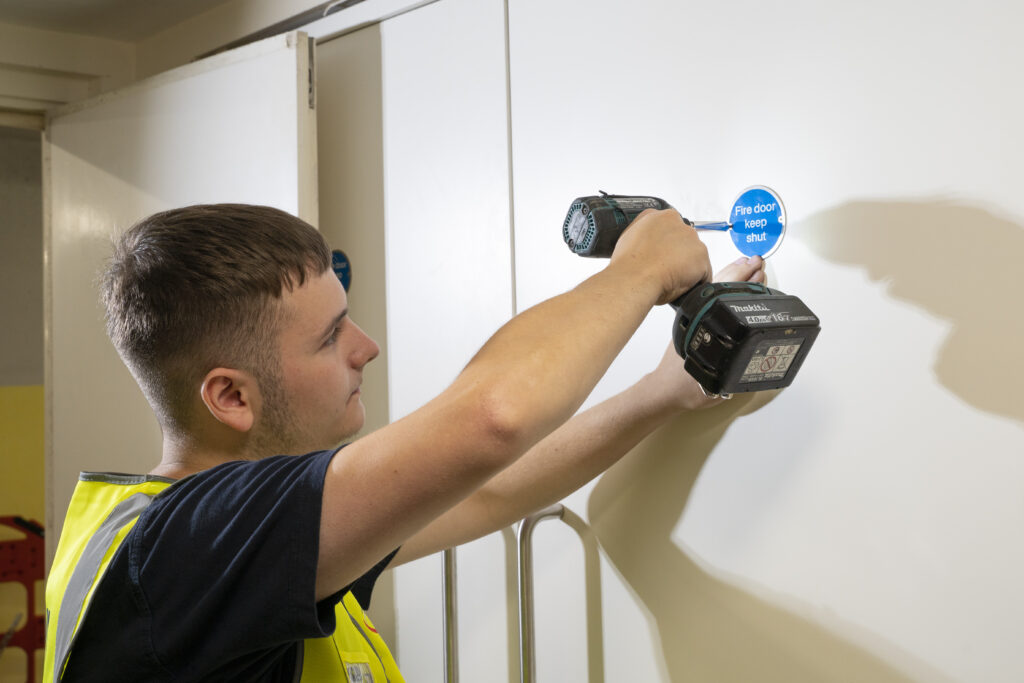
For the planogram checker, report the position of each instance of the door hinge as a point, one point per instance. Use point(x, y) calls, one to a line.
point(311, 68)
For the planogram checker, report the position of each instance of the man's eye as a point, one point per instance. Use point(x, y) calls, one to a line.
point(333, 336)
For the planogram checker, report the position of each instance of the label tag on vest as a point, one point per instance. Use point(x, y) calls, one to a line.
point(358, 672)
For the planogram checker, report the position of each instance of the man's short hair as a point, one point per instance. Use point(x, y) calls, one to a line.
point(192, 289)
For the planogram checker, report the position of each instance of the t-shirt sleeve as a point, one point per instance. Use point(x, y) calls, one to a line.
point(362, 588)
point(229, 556)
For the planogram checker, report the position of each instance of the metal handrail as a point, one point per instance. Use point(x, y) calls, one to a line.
point(524, 537)
point(451, 624)
point(527, 664)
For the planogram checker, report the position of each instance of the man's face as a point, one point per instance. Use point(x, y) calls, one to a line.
point(317, 403)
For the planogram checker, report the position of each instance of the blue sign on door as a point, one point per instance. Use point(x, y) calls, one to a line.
point(342, 268)
point(758, 221)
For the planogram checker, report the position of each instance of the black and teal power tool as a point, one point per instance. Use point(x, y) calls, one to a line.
point(734, 336)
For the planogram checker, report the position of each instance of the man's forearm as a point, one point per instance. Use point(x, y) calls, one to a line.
point(556, 466)
point(573, 454)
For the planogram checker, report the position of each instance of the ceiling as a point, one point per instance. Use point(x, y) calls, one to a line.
point(128, 20)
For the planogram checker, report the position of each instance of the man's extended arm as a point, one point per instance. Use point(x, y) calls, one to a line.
point(528, 379)
point(576, 452)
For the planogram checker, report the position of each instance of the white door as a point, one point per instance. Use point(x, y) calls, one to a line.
point(865, 525)
point(236, 127)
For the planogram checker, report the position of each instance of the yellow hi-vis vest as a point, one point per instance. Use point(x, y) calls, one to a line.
point(104, 508)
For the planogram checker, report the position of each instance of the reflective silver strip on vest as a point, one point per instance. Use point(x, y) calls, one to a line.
point(84, 575)
point(299, 660)
point(367, 639)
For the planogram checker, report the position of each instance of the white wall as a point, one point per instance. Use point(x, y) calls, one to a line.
point(864, 524)
point(861, 525)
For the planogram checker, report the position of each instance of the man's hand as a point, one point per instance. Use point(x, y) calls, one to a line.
point(661, 246)
point(669, 380)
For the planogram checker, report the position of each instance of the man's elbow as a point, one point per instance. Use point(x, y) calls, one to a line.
point(506, 425)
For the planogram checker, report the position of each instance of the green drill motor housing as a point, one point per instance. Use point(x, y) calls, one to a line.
point(734, 337)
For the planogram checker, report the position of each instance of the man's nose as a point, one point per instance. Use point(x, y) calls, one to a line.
point(366, 350)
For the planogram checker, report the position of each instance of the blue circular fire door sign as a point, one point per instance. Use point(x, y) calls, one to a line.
point(758, 221)
point(342, 267)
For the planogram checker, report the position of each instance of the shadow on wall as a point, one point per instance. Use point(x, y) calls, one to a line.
point(957, 262)
point(710, 630)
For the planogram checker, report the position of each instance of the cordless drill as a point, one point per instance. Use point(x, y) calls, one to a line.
point(733, 336)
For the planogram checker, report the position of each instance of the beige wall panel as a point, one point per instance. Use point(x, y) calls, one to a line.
point(21, 258)
point(351, 172)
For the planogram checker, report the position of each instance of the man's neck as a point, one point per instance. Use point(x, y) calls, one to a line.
point(179, 460)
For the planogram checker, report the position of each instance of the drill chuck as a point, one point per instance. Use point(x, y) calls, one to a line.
point(593, 224)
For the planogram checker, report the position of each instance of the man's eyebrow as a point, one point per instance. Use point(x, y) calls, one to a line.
point(334, 323)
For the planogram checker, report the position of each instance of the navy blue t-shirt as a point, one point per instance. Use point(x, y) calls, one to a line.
point(216, 581)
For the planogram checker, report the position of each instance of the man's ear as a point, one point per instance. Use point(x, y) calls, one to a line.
point(229, 395)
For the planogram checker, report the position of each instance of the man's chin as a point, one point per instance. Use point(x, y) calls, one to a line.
point(350, 435)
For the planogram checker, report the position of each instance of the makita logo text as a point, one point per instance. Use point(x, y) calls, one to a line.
point(749, 309)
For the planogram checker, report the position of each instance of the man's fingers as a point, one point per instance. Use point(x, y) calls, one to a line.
point(742, 269)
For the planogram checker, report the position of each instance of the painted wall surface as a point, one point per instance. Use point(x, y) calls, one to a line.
point(860, 525)
point(863, 524)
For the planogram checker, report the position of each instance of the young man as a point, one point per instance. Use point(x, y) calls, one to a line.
point(238, 558)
